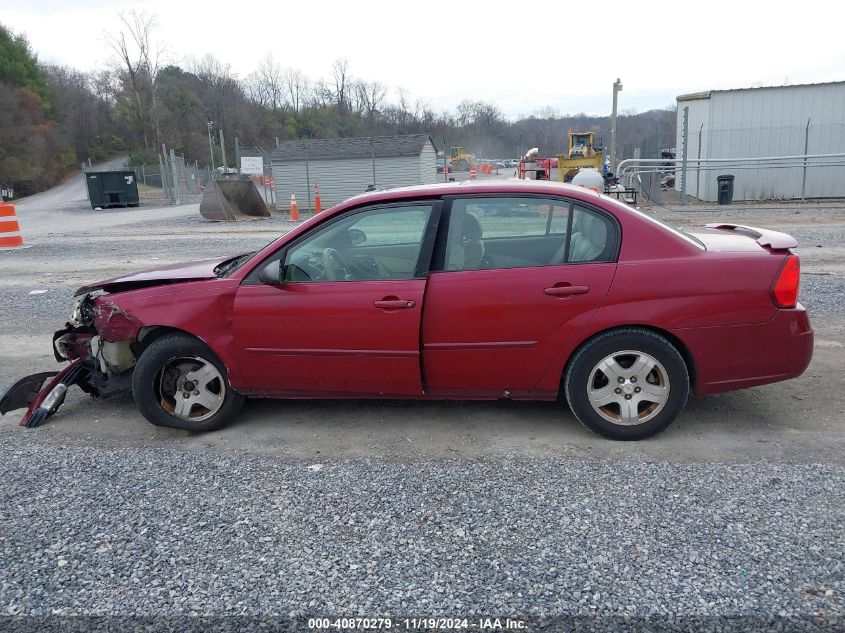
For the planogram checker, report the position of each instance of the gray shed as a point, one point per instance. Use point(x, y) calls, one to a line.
point(345, 167)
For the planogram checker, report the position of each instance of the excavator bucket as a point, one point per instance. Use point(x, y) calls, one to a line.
point(227, 200)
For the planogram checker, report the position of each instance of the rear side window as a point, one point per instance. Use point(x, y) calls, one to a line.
point(593, 237)
point(504, 232)
point(519, 232)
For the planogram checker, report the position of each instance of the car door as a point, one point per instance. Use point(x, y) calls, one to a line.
point(516, 278)
point(346, 318)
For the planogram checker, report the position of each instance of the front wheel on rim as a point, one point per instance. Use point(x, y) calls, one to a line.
point(627, 384)
point(178, 382)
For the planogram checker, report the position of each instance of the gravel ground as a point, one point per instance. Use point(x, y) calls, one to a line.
point(161, 533)
point(102, 514)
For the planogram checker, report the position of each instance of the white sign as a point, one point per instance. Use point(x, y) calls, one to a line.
point(252, 165)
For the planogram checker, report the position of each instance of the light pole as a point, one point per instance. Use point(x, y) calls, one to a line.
point(210, 146)
point(617, 87)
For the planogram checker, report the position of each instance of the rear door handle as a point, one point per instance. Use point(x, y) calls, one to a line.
point(565, 291)
point(394, 304)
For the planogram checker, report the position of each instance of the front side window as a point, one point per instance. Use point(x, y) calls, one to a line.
point(374, 244)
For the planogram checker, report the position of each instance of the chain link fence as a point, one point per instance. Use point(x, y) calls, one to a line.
point(792, 161)
point(264, 181)
point(171, 181)
point(786, 162)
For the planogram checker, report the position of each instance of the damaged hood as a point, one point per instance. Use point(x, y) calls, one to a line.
point(172, 273)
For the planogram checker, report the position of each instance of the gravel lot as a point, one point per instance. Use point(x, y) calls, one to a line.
point(731, 520)
point(157, 532)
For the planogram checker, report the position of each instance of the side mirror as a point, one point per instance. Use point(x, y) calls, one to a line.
point(271, 274)
point(356, 237)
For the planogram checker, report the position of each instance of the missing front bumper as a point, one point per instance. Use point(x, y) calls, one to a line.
point(42, 394)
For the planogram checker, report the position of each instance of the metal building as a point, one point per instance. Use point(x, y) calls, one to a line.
point(345, 167)
point(762, 122)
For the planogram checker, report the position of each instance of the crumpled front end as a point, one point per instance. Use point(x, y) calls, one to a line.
point(99, 342)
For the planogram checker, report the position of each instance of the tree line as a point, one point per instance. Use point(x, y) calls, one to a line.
point(52, 118)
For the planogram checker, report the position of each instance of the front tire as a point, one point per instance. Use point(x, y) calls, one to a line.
point(179, 382)
point(627, 384)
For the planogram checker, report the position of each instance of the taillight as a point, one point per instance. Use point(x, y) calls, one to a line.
point(785, 288)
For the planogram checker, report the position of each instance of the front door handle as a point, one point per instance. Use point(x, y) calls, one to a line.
point(394, 304)
point(566, 291)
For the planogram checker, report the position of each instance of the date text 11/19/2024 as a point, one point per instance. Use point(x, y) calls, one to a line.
point(420, 623)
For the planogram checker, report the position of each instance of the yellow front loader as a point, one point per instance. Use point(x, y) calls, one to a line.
point(461, 160)
point(582, 152)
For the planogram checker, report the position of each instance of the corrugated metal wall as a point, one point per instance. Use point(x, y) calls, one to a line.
point(343, 178)
point(769, 122)
point(428, 164)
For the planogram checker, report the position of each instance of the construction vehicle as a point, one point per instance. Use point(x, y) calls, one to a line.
point(582, 152)
point(230, 198)
point(460, 160)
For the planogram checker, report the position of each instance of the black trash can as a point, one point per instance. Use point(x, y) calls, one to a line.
point(726, 188)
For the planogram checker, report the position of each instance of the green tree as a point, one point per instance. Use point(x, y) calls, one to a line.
point(19, 66)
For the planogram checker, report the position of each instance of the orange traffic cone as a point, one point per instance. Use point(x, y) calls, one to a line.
point(10, 230)
point(472, 173)
point(294, 210)
point(317, 205)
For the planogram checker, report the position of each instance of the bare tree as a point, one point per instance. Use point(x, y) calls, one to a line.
point(404, 106)
point(371, 95)
point(296, 85)
point(465, 113)
point(340, 70)
point(138, 58)
point(270, 78)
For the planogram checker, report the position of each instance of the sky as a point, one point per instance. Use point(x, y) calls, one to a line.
point(521, 56)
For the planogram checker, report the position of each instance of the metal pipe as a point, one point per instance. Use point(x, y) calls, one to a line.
point(804, 174)
point(210, 145)
point(698, 171)
point(684, 148)
point(628, 162)
point(745, 159)
point(223, 151)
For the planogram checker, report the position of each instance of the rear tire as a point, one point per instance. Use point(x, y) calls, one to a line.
point(627, 384)
point(462, 165)
point(180, 383)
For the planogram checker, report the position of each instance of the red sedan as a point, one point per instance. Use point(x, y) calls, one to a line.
point(505, 289)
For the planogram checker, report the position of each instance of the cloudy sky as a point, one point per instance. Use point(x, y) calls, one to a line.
point(522, 56)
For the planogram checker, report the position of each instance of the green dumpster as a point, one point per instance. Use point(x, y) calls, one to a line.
point(112, 189)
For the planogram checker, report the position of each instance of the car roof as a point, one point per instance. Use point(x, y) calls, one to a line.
point(484, 187)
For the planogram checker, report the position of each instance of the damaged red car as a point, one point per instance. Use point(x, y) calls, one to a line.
point(519, 290)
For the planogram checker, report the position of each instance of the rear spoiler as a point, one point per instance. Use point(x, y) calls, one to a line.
point(764, 237)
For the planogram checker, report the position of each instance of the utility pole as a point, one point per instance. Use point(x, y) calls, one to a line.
point(617, 88)
point(373, 152)
point(445, 163)
point(210, 146)
point(223, 150)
